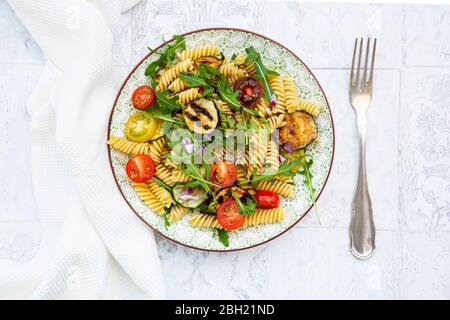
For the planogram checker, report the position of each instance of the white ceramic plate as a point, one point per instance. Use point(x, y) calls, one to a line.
point(231, 41)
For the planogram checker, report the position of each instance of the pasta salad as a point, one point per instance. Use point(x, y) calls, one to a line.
point(217, 139)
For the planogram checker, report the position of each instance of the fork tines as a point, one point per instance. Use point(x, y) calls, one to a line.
point(365, 82)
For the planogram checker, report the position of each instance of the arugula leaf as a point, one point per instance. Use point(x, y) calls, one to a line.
point(287, 168)
point(165, 216)
point(212, 206)
point(177, 125)
point(206, 71)
point(245, 209)
point(173, 137)
point(241, 126)
point(194, 80)
point(223, 237)
point(207, 167)
point(161, 113)
point(167, 102)
point(294, 155)
point(226, 121)
point(162, 184)
point(306, 172)
point(209, 93)
point(164, 107)
point(167, 127)
point(193, 171)
point(167, 57)
point(153, 51)
point(208, 208)
point(262, 73)
point(227, 94)
point(180, 43)
point(222, 85)
point(193, 184)
point(250, 111)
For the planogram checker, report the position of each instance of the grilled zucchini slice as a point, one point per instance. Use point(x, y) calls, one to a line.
point(299, 131)
point(201, 116)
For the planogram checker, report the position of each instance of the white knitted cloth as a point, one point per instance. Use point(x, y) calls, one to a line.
point(92, 245)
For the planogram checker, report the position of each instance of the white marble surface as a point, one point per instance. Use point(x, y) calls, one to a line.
point(408, 150)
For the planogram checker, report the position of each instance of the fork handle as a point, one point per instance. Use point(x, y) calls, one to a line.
point(362, 227)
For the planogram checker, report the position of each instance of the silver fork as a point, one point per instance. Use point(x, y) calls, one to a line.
point(362, 227)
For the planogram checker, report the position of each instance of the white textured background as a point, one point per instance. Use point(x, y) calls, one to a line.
point(408, 150)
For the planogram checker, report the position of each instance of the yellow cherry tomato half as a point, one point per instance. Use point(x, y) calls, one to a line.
point(141, 127)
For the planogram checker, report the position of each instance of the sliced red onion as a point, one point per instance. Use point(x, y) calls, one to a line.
point(188, 145)
point(189, 191)
point(282, 159)
point(273, 100)
point(288, 147)
point(269, 112)
point(187, 197)
point(189, 148)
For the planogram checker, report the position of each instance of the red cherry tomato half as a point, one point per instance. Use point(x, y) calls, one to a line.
point(140, 168)
point(267, 199)
point(143, 97)
point(250, 90)
point(224, 174)
point(228, 215)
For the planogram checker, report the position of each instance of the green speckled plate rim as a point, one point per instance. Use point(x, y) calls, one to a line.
point(257, 35)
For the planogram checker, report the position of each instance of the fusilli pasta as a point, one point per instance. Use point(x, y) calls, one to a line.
point(156, 149)
point(263, 108)
point(258, 149)
point(180, 176)
point(282, 188)
point(264, 216)
point(193, 54)
point(177, 212)
point(147, 196)
point(164, 174)
point(272, 159)
point(202, 220)
point(277, 84)
point(177, 85)
point(276, 121)
point(189, 95)
point(290, 92)
point(160, 193)
point(223, 106)
point(130, 147)
point(239, 60)
point(311, 107)
point(172, 73)
point(230, 70)
point(170, 164)
point(287, 179)
point(249, 68)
